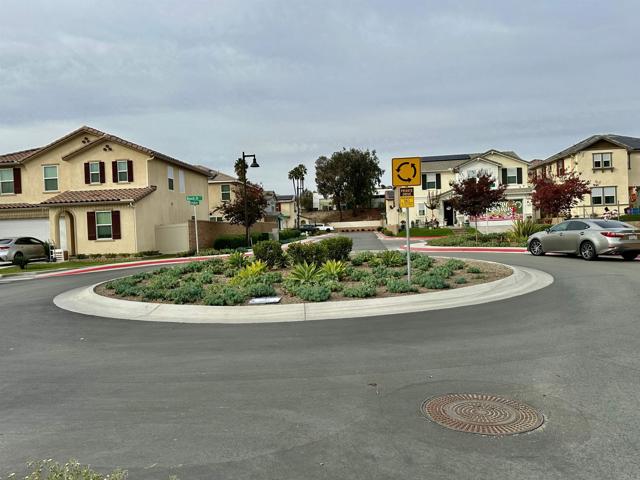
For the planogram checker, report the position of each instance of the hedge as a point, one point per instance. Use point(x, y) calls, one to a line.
point(237, 241)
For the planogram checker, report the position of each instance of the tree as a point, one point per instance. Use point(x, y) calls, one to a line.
point(244, 213)
point(555, 196)
point(306, 200)
point(331, 180)
point(433, 202)
point(349, 176)
point(296, 175)
point(475, 195)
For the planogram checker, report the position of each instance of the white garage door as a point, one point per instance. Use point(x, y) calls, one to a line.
point(27, 227)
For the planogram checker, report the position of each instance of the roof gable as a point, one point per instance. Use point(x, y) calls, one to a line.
point(35, 152)
point(628, 143)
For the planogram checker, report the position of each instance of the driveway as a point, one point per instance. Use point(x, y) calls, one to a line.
point(329, 399)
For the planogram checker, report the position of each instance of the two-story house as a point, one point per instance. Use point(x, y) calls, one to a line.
point(611, 164)
point(93, 192)
point(441, 171)
point(221, 190)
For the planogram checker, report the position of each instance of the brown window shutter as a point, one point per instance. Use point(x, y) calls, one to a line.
point(17, 180)
point(91, 224)
point(87, 175)
point(115, 225)
point(130, 169)
point(102, 176)
point(114, 172)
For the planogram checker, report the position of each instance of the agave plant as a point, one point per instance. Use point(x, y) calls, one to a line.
point(522, 229)
point(305, 273)
point(334, 269)
point(237, 260)
point(252, 270)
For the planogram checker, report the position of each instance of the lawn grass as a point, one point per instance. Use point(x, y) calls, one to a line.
point(72, 264)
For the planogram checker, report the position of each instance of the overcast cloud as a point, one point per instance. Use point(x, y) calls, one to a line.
point(292, 80)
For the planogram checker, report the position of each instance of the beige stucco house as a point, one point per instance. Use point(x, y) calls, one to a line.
point(611, 164)
point(287, 211)
point(93, 192)
point(439, 172)
point(221, 189)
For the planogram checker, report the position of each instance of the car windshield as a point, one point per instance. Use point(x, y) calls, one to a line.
point(611, 224)
point(5, 241)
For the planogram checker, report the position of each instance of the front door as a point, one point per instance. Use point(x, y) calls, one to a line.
point(449, 214)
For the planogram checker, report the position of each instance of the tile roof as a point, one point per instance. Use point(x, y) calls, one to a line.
point(629, 143)
point(8, 206)
point(100, 196)
point(17, 156)
point(284, 198)
point(439, 163)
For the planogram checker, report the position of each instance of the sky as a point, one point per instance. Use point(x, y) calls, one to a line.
point(289, 81)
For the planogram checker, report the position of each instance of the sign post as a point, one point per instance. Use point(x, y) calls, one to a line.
point(405, 173)
point(195, 201)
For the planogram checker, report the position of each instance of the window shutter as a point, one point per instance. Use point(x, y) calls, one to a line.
point(102, 176)
point(114, 172)
point(87, 175)
point(115, 225)
point(424, 181)
point(130, 170)
point(438, 181)
point(91, 224)
point(519, 170)
point(17, 180)
point(504, 175)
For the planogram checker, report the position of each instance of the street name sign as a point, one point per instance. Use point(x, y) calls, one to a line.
point(405, 172)
point(406, 197)
point(194, 199)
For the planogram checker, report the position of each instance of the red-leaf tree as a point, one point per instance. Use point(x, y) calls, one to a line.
point(555, 196)
point(234, 211)
point(475, 195)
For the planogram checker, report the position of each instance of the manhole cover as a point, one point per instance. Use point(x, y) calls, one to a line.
point(483, 414)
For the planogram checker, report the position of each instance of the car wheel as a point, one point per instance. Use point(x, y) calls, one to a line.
point(588, 251)
point(328, 230)
point(628, 256)
point(535, 247)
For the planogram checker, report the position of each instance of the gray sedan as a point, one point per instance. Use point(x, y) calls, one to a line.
point(588, 238)
point(26, 247)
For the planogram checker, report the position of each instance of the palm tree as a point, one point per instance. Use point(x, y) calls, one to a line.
point(296, 175)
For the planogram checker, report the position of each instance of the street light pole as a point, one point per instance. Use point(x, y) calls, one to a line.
point(244, 166)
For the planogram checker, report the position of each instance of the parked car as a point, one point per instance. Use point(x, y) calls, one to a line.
point(587, 238)
point(26, 247)
point(323, 227)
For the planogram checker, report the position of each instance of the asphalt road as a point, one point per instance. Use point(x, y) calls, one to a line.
point(329, 399)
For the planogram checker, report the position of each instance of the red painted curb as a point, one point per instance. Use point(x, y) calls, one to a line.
point(385, 237)
point(468, 249)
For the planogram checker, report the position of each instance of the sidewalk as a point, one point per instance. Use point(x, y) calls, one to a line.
point(427, 248)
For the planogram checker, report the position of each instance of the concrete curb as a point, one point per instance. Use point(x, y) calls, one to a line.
point(427, 248)
point(84, 300)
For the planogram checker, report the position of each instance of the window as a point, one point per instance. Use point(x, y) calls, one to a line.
point(602, 160)
point(561, 227)
point(170, 177)
point(512, 176)
point(471, 173)
point(421, 209)
point(6, 181)
point(575, 225)
point(103, 225)
point(216, 219)
point(50, 174)
point(94, 172)
point(603, 196)
point(226, 192)
point(181, 181)
point(560, 168)
point(123, 171)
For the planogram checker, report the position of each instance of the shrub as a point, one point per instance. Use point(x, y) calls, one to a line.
point(333, 285)
point(260, 290)
point(149, 253)
point(307, 252)
point(338, 248)
point(150, 292)
point(334, 269)
point(230, 272)
point(288, 234)
point(110, 255)
point(272, 277)
point(443, 271)
point(313, 293)
point(164, 281)
point(82, 256)
point(388, 232)
point(224, 295)
point(399, 286)
point(430, 232)
point(187, 293)
point(522, 229)
point(433, 282)
point(237, 260)
point(357, 275)
point(190, 267)
point(364, 290)
point(72, 470)
point(474, 270)
point(214, 265)
point(460, 280)
point(455, 264)
point(391, 258)
point(422, 262)
point(361, 258)
point(253, 270)
point(270, 252)
point(305, 273)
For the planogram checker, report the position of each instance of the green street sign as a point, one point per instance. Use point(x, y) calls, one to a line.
point(194, 198)
point(194, 202)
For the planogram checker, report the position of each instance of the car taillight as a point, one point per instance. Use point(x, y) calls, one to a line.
point(3, 248)
point(613, 234)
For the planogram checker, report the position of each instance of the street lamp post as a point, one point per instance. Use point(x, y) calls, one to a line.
point(244, 167)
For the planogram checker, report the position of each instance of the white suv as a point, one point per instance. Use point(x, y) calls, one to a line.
point(323, 227)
